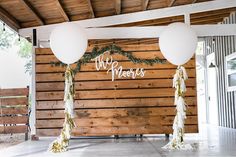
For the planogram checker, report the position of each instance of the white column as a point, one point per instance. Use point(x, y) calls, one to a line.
point(187, 18)
point(32, 119)
point(32, 91)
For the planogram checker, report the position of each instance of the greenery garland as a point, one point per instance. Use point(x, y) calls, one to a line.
point(112, 49)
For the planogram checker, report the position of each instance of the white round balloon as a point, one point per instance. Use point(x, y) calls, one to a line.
point(178, 43)
point(68, 42)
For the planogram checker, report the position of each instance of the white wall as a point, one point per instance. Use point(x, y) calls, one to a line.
point(223, 46)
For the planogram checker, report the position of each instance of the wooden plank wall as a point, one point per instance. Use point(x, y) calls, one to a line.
point(102, 107)
point(14, 116)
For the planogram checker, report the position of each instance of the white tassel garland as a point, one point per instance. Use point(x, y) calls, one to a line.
point(178, 126)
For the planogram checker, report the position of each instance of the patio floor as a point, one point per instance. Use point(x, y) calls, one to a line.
point(211, 141)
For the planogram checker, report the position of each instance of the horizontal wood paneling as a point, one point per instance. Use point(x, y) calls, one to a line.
point(107, 131)
point(105, 107)
point(102, 75)
point(14, 101)
point(117, 121)
point(45, 68)
point(111, 103)
point(132, 48)
point(121, 84)
point(14, 92)
point(121, 112)
point(14, 116)
point(48, 58)
point(14, 120)
point(14, 110)
point(109, 94)
point(13, 129)
point(130, 130)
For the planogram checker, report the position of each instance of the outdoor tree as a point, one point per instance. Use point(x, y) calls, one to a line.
point(6, 37)
point(9, 38)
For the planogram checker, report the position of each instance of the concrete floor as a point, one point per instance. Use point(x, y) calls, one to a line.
point(211, 141)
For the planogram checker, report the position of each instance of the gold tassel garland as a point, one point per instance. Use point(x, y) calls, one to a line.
point(62, 142)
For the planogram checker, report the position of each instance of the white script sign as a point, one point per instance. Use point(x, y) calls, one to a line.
point(115, 69)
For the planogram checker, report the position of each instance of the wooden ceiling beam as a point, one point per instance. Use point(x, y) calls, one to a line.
point(91, 9)
point(158, 13)
point(118, 6)
point(143, 16)
point(152, 22)
point(200, 16)
point(172, 2)
point(145, 4)
point(62, 11)
point(209, 14)
point(32, 10)
point(9, 19)
point(210, 18)
point(209, 22)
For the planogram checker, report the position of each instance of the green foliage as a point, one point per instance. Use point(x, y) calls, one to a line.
point(25, 48)
point(112, 49)
point(28, 67)
point(25, 51)
point(6, 37)
point(9, 38)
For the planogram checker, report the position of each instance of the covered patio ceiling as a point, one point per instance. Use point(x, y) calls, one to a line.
point(30, 13)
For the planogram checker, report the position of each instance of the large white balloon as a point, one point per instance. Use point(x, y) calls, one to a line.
point(68, 42)
point(178, 43)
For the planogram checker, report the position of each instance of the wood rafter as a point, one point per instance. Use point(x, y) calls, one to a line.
point(91, 9)
point(118, 6)
point(9, 19)
point(145, 4)
point(172, 2)
point(192, 9)
point(31, 9)
point(194, 1)
point(62, 11)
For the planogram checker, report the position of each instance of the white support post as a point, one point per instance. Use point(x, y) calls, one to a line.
point(187, 18)
point(32, 91)
point(32, 119)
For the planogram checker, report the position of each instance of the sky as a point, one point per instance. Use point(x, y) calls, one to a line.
point(12, 70)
